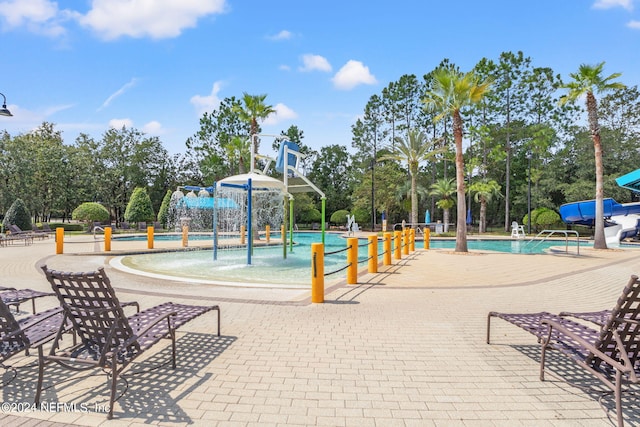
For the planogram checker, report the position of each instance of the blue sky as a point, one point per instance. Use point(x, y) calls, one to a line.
point(156, 65)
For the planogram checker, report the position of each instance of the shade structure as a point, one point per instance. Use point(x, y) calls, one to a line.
point(259, 182)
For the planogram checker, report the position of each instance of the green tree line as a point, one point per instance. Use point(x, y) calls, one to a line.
point(408, 152)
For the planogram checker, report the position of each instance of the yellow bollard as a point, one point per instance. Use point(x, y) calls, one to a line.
point(373, 254)
point(107, 239)
point(317, 272)
point(185, 236)
point(427, 237)
point(397, 239)
point(412, 240)
point(268, 233)
point(150, 237)
point(405, 241)
point(386, 257)
point(352, 261)
point(59, 240)
point(242, 234)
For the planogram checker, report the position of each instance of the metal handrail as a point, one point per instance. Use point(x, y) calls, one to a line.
point(566, 233)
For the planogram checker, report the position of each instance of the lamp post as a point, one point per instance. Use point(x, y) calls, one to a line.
point(373, 205)
point(529, 194)
point(4, 111)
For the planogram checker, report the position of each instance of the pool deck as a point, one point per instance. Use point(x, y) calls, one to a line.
point(404, 347)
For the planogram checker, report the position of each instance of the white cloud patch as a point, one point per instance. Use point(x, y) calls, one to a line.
point(352, 74)
point(157, 19)
point(209, 102)
point(314, 63)
point(284, 67)
point(282, 35)
point(119, 92)
point(153, 128)
point(608, 4)
point(120, 123)
point(634, 24)
point(282, 114)
point(37, 16)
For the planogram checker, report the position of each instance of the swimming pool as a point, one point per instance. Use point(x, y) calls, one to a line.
point(269, 269)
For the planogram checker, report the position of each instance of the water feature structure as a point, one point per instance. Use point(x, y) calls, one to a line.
point(238, 208)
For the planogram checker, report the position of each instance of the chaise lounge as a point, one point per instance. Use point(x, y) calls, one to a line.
point(27, 333)
point(611, 353)
point(108, 338)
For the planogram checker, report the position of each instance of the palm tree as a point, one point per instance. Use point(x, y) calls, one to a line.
point(484, 191)
point(444, 189)
point(586, 81)
point(237, 150)
point(412, 150)
point(254, 109)
point(450, 93)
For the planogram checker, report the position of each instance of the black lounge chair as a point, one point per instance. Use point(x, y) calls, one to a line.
point(17, 231)
point(611, 352)
point(108, 338)
point(15, 297)
point(29, 332)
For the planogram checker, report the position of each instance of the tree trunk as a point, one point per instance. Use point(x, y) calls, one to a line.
point(461, 226)
point(599, 240)
point(414, 199)
point(483, 216)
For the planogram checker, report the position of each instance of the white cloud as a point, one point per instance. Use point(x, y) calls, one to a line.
point(38, 16)
point(119, 92)
point(143, 18)
point(314, 62)
point(608, 4)
point(209, 102)
point(282, 35)
point(153, 128)
point(282, 114)
point(119, 123)
point(352, 74)
point(284, 67)
point(634, 24)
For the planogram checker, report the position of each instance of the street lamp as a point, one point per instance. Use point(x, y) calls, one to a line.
point(373, 204)
point(529, 194)
point(4, 111)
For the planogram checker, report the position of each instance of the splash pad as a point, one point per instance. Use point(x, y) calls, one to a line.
point(241, 211)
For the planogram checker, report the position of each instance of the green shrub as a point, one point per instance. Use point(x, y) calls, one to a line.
point(17, 215)
point(311, 215)
point(163, 212)
point(139, 207)
point(67, 226)
point(339, 217)
point(543, 218)
point(90, 211)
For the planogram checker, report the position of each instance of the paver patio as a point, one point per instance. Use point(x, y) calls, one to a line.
point(404, 347)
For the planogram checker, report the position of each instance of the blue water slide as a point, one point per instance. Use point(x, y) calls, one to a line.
point(584, 212)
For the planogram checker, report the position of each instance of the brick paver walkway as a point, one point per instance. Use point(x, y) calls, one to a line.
point(405, 347)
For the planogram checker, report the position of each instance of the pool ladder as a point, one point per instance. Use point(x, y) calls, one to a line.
point(545, 234)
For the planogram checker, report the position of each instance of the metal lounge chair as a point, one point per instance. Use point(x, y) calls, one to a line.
point(29, 332)
point(108, 338)
point(611, 352)
point(15, 297)
point(531, 322)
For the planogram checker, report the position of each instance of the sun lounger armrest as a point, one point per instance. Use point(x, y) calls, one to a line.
point(131, 303)
point(40, 317)
point(143, 331)
point(587, 345)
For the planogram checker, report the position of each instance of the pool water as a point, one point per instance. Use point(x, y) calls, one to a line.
point(268, 267)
